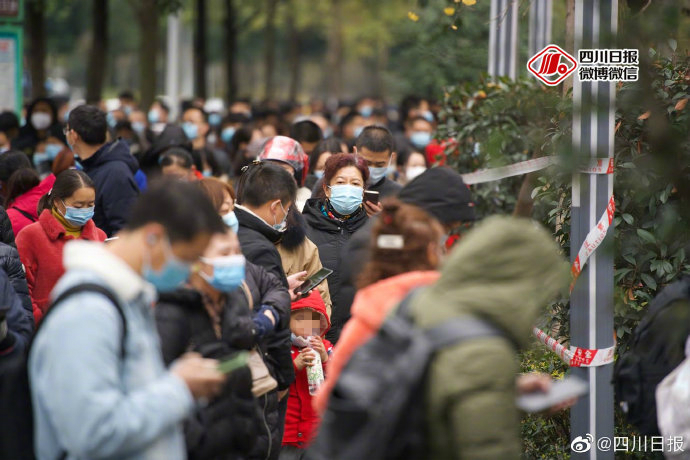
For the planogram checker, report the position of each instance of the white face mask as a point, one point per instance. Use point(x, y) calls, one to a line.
point(41, 120)
point(413, 171)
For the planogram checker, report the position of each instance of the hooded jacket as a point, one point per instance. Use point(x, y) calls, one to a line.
point(298, 253)
point(40, 248)
point(301, 419)
point(330, 236)
point(11, 264)
point(371, 306)
point(27, 205)
point(112, 170)
point(6, 232)
point(504, 271)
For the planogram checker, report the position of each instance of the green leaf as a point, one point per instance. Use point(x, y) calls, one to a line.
point(648, 280)
point(628, 219)
point(646, 236)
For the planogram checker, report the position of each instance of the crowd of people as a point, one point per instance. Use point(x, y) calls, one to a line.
point(150, 253)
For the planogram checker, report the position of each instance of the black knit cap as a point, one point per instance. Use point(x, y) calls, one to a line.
point(442, 193)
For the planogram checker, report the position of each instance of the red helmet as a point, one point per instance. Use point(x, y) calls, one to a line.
point(288, 151)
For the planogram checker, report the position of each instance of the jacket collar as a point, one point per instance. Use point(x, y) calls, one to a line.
point(54, 229)
point(120, 278)
point(317, 220)
point(250, 220)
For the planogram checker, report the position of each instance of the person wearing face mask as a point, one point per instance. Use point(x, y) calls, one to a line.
point(406, 251)
point(333, 219)
point(411, 164)
point(65, 214)
point(209, 161)
point(113, 396)
point(41, 123)
point(317, 159)
point(46, 152)
point(9, 130)
point(263, 289)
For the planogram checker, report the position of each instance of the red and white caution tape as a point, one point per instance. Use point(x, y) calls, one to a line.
point(591, 166)
point(576, 356)
point(593, 240)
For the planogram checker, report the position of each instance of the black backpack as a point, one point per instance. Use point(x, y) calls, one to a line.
point(16, 415)
point(657, 347)
point(375, 411)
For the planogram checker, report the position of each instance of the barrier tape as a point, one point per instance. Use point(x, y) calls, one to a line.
point(591, 166)
point(576, 356)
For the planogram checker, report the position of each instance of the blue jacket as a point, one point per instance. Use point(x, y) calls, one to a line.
point(112, 169)
point(20, 322)
point(86, 400)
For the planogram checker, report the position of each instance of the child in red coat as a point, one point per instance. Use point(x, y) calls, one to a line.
point(308, 323)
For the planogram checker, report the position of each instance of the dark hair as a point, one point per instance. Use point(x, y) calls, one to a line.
point(12, 161)
point(262, 182)
point(417, 229)
point(405, 153)
point(176, 156)
point(126, 94)
point(66, 183)
point(8, 121)
point(216, 190)
point(343, 160)
point(90, 123)
point(20, 182)
point(194, 107)
point(408, 103)
point(162, 104)
point(180, 207)
point(376, 139)
point(306, 131)
point(332, 145)
point(233, 118)
point(410, 121)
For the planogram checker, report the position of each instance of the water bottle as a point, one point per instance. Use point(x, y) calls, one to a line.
point(315, 374)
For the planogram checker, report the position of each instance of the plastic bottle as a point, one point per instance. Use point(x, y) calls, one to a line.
point(315, 373)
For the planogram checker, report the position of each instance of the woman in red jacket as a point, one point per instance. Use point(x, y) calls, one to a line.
point(65, 214)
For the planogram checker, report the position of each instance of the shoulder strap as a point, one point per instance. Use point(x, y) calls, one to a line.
point(24, 213)
point(97, 288)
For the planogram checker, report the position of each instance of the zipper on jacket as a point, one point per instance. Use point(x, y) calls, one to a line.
point(268, 429)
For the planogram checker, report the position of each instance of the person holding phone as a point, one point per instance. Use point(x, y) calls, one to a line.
point(332, 221)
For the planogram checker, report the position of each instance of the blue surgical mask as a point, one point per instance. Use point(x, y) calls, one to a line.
point(40, 157)
point(127, 109)
point(366, 111)
point(173, 272)
point(52, 150)
point(376, 174)
point(78, 216)
point(358, 130)
point(227, 134)
point(319, 174)
point(190, 130)
point(428, 116)
point(138, 127)
point(228, 272)
point(214, 119)
point(112, 121)
point(282, 226)
point(420, 139)
point(231, 221)
point(346, 198)
point(153, 116)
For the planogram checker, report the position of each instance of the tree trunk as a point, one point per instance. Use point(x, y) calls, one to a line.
point(37, 46)
point(200, 50)
point(231, 50)
point(147, 15)
point(294, 55)
point(98, 53)
point(270, 50)
point(379, 69)
point(334, 59)
point(569, 38)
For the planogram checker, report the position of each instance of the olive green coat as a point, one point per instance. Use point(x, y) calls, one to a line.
point(504, 271)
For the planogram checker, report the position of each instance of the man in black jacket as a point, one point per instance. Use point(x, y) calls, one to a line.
point(110, 165)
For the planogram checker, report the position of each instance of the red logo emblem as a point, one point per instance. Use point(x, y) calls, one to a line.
point(552, 65)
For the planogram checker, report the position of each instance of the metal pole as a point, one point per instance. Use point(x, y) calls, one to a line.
point(540, 14)
point(172, 77)
point(591, 302)
point(503, 38)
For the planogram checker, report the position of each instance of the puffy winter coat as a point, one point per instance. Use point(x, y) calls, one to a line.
point(112, 170)
point(226, 428)
point(504, 271)
point(301, 420)
point(40, 248)
point(258, 241)
point(12, 266)
point(330, 235)
point(23, 210)
point(6, 232)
